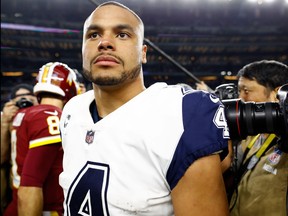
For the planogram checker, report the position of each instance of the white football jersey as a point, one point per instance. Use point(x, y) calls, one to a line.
point(128, 162)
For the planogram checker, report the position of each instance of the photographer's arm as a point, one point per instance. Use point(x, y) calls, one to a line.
point(7, 115)
point(226, 163)
point(202, 86)
point(201, 190)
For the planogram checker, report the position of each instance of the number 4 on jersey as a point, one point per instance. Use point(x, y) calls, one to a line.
point(88, 188)
point(221, 122)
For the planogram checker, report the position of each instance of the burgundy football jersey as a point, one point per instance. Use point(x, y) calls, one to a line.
point(37, 154)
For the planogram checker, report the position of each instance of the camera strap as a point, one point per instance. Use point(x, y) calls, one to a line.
point(253, 160)
point(250, 162)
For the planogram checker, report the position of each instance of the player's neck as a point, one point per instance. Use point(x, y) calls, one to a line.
point(52, 101)
point(110, 99)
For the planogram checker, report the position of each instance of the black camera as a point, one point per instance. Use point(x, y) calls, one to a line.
point(23, 103)
point(226, 91)
point(251, 118)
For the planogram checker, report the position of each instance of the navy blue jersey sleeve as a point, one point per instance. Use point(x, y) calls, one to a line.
point(205, 133)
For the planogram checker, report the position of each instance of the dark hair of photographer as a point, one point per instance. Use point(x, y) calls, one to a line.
point(15, 89)
point(268, 73)
point(23, 96)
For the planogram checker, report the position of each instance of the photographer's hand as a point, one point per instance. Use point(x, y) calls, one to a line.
point(202, 86)
point(9, 111)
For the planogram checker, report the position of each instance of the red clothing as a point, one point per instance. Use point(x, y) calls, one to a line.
point(37, 155)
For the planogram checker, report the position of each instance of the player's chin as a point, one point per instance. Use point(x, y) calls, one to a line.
point(107, 80)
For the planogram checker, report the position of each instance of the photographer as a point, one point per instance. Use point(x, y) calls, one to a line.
point(261, 188)
point(21, 96)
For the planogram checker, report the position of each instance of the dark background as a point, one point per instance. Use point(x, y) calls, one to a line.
point(212, 40)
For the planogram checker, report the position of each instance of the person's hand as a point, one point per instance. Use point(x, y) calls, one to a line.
point(9, 111)
point(202, 86)
point(7, 114)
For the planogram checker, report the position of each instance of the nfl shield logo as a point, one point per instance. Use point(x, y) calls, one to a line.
point(275, 157)
point(89, 136)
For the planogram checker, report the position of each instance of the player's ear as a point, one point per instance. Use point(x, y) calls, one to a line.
point(144, 52)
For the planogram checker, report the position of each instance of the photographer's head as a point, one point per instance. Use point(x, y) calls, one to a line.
point(23, 92)
point(259, 81)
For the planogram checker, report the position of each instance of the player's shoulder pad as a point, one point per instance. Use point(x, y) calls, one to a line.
point(80, 100)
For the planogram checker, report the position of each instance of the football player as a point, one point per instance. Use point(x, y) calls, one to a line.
point(129, 150)
point(36, 145)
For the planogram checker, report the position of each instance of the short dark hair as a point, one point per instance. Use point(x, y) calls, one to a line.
point(20, 86)
point(268, 73)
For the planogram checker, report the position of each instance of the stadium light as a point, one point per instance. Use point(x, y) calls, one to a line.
point(269, 1)
point(252, 0)
point(262, 1)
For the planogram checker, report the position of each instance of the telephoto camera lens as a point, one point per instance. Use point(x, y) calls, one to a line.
point(250, 118)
